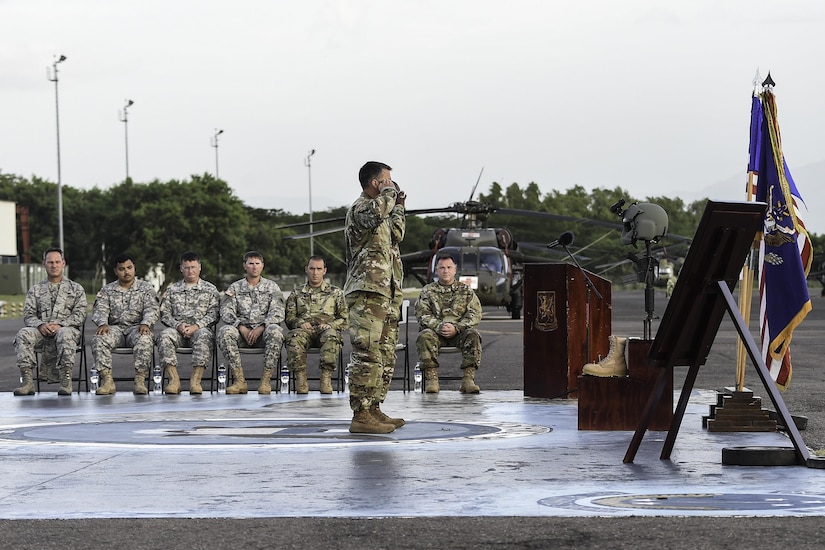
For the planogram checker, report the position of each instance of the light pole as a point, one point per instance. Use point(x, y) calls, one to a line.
point(124, 118)
point(52, 76)
point(215, 145)
point(308, 164)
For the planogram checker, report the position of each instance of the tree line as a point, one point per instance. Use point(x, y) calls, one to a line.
point(157, 221)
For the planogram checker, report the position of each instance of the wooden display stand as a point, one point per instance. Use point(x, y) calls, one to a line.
point(617, 403)
point(556, 315)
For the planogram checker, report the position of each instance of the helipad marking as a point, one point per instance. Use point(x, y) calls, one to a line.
point(687, 502)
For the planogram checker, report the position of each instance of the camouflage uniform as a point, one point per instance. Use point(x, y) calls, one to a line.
point(317, 306)
point(197, 304)
point(63, 303)
point(457, 304)
point(374, 228)
point(124, 310)
point(252, 306)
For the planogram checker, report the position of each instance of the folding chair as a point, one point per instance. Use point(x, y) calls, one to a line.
point(405, 346)
point(82, 367)
point(446, 350)
point(276, 376)
point(338, 377)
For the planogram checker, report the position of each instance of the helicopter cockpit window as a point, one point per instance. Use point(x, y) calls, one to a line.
point(490, 260)
point(469, 262)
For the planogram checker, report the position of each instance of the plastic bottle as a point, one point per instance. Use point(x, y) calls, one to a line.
point(284, 379)
point(346, 377)
point(94, 379)
point(417, 377)
point(221, 378)
point(157, 378)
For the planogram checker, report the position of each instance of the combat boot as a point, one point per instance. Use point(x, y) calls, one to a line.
point(301, 385)
point(365, 423)
point(431, 378)
point(379, 415)
point(266, 387)
point(107, 383)
point(27, 387)
point(195, 381)
point(326, 381)
point(239, 386)
point(173, 387)
point(468, 384)
point(612, 365)
point(65, 381)
point(140, 383)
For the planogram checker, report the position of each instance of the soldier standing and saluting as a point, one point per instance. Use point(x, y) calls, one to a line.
point(375, 225)
point(54, 313)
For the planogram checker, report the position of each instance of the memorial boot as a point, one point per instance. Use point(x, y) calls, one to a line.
point(613, 364)
point(431, 380)
point(301, 385)
point(107, 383)
point(365, 423)
point(27, 387)
point(195, 381)
point(379, 415)
point(65, 381)
point(265, 388)
point(468, 384)
point(140, 383)
point(326, 381)
point(173, 387)
point(239, 386)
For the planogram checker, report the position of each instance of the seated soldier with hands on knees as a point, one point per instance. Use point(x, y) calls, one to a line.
point(448, 312)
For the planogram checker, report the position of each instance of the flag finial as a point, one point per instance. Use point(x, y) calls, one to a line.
point(768, 82)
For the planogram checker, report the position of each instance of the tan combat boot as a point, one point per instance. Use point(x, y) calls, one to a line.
point(365, 423)
point(27, 387)
point(326, 381)
point(468, 384)
point(173, 387)
point(301, 385)
point(379, 415)
point(65, 381)
point(195, 381)
point(265, 388)
point(431, 378)
point(107, 383)
point(612, 365)
point(239, 386)
point(140, 383)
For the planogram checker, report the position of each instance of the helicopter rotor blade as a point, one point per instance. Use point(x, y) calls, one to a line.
point(313, 234)
point(473, 192)
point(314, 222)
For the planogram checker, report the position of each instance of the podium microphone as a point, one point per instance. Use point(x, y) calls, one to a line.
point(565, 239)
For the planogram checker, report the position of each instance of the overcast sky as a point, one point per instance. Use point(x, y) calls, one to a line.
point(653, 96)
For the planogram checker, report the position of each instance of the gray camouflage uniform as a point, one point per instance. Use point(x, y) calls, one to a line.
point(373, 230)
point(63, 303)
point(198, 304)
point(124, 310)
point(317, 306)
point(252, 306)
point(457, 304)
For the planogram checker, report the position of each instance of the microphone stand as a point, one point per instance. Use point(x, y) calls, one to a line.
point(589, 287)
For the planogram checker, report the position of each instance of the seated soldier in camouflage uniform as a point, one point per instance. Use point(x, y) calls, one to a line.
point(125, 312)
point(447, 312)
point(54, 313)
point(190, 310)
point(253, 311)
point(316, 315)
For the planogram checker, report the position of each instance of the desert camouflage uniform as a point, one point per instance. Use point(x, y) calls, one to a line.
point(457, 304)
point(317, 306)
point(252, 306)
point(373, 230)
point(197, 304)
point(124, 310)
point(63, 303)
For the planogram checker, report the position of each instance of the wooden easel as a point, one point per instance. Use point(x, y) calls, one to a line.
point(700, 299)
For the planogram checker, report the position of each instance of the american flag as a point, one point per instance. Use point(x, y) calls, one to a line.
point(785, 252)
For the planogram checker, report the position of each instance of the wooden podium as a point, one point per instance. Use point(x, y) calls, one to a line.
point(556, 315)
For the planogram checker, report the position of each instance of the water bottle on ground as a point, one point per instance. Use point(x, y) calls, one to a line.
point(221, 378)
point(157, 378)
point(284, 379)
point(346, 377)
point(94, 379)
point(417, 377)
